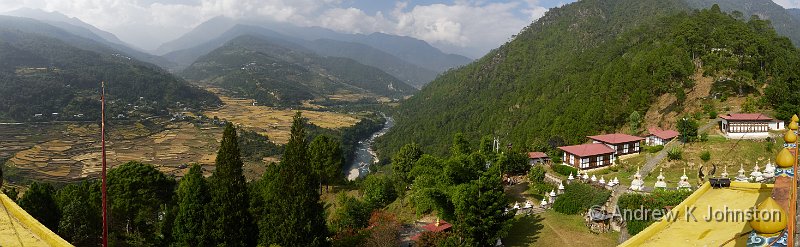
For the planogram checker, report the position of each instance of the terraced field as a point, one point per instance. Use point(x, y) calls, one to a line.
point(66, 152)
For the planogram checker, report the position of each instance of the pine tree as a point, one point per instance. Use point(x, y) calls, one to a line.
point(326, 160)
point(192, 198)
point(294, 215)
point(479, 208)
point(229, 222)
point(635, 122)
point(39, 201)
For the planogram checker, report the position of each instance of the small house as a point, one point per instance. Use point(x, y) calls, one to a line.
point(437, 226)
point(659, 137)
point(621, 143)
point(748, 125)
point(588, 156)
point(535, 158)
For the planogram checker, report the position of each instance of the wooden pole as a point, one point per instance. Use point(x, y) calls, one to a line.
point(103, 147)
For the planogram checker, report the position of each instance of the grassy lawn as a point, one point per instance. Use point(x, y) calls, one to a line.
point(555, 229)
point(724, 152)
point(624, 170)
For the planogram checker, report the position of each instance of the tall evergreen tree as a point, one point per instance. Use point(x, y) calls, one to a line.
point(229, 222)
point(460, 145)
point(137, 193)
point(192, 197)
point(39, 201)
point(81, 221)
point(325, 155)
point(635, 122)
point(403, 161)
point(294, 215)
point(479, 208)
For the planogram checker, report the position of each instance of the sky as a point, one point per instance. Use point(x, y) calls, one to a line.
point(466, 27)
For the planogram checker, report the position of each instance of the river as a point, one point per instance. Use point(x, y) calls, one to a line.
point(364, 156)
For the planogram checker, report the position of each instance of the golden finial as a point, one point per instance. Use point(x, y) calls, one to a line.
point(795, 119)
point(785, 158)
point(769, 218)
point(789, 137)
point(793, 125)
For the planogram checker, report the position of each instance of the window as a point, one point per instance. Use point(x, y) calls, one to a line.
point(572, 159)
point(585, 163)
point(636, 147)
point(625, 148)
point(599, 160)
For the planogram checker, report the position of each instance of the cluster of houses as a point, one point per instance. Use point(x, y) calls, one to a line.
point(605, 149)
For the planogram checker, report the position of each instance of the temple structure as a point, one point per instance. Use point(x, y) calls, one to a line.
point(18, 228)
point(748, 125)
point(722, 218)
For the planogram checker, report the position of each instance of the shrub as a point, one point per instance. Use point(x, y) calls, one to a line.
point(655, 201)
point(565, 170)
point(704, 137)
point(675, 154)
point(541, 188)
point(536, 174)
point(578, 197)
point(705, 156)
point(654, 149)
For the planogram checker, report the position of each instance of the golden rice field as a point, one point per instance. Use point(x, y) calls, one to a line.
point(273, 122)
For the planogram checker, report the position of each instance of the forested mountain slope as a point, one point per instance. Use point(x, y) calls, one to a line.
point(44, 75)
point(782, 19)
point(584, 67)
point(275, 72)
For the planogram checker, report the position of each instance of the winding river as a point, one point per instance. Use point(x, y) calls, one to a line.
point(364, 156)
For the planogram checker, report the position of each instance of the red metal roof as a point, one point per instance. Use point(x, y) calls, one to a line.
point(746, 117)
point(585, 150)
point(437, 226)
point(663, 134)
point(615, 138)
point(537, 155)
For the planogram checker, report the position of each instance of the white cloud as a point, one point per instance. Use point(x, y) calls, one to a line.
point(471, 25)
point(788, 3)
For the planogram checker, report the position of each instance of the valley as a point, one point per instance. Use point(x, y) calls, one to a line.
point(242, 124)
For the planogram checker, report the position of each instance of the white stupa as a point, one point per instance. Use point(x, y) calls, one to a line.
point(602, 180)
point(585, 176)
point(570, 178)
point(516, 205)
point(741, 177)
point(544, 202)
point(528, 204)
point(561, 188)
point(684, 183)
point(724, 172)
point(661, 183)
point(756, 175)
point(637, 184)
point(769, 170)
point(594, 179)
point(615, 181)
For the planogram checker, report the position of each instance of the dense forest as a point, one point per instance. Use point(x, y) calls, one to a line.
point(583, 68)
point(276, 73)
point(43, 75)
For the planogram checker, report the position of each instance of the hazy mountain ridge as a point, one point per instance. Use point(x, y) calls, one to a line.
point(265, 69)
point(42, 74)
point(411, 60)
point(79, 28)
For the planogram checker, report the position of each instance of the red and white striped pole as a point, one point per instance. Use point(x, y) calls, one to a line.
point(103, 147)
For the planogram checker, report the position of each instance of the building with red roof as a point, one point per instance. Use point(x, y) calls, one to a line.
point(436, 226)
point(658, 136)
point(621, 143)
point(588, 156)
point(755, 124)
point(538, 158)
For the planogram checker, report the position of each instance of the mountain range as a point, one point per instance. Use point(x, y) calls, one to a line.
point(277, 72)
point(49, 73)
